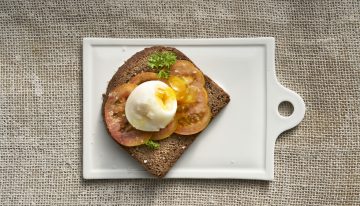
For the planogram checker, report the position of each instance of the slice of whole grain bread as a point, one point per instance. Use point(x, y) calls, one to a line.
point(158, 162)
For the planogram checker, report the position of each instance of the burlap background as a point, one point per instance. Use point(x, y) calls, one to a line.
point(317, 55)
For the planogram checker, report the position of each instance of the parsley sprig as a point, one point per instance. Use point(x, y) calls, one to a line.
point(162, 61)
point(152, 145)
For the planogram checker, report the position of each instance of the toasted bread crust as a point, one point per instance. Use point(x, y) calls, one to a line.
point(158, 162)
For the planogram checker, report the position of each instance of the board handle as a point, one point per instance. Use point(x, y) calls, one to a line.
point(283, 123)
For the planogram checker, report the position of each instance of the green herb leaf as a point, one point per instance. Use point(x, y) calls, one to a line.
point(163, 74)
point(162, 61)
point(152, 145)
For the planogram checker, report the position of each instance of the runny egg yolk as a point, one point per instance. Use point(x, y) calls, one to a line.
point(179, 86)
point(185, 93)
point(165, 96)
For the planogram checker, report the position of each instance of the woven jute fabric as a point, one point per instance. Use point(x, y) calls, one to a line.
point(317, 55)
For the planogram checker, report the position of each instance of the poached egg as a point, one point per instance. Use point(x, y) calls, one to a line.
point(151, 106)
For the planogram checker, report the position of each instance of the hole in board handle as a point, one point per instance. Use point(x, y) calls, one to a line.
point(285, 109)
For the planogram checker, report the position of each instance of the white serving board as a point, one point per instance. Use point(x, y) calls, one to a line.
point(239, 142)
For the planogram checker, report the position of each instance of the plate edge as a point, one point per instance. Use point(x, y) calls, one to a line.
point(89, 42)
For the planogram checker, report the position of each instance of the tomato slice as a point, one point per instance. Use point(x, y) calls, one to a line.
point(143, 77)
point(193, 112)
point(192, 123)
point(166, 132)
point(188, 72)
point(116, 122)
point(195, 116)
point(195, 101)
